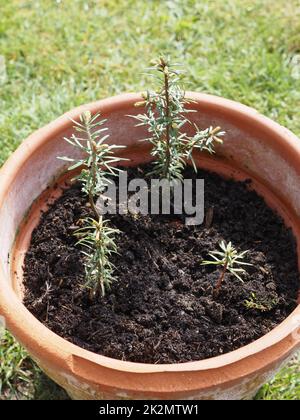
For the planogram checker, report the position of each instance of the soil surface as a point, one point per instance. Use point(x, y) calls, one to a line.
point(162, 308)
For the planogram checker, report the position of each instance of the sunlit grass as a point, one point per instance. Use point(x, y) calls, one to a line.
point(285, 386)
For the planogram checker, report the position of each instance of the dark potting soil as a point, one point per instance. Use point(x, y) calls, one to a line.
point(162, 308)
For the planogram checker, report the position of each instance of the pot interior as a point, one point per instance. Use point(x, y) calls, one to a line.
point(253, 147)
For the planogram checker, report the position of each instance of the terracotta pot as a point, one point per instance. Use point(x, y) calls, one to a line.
point(255, 147)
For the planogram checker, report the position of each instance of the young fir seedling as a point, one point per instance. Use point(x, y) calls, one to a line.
point(99, 241)
point(262, 306)
point(230, 260)
point(165, 118)
point(97, 238)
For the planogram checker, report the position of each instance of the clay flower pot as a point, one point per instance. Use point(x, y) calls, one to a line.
point(256, 147)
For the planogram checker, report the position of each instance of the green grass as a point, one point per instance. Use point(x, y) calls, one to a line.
point(55, 55)
point(285, 385)
point(20, 378)
point(16, 369)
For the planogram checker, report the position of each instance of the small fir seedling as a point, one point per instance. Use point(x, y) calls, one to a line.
point(98, 239)
point(44, 297)
point(96, 165)
point(262, 306)
point(230, 260)
point(166, 118)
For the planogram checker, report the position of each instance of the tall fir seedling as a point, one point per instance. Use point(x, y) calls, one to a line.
point(166, 118)
point(96, 164)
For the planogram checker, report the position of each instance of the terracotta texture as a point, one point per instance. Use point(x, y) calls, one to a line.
point(254, 147)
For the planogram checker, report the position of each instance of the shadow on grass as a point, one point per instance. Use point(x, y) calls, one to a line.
point(46, 389)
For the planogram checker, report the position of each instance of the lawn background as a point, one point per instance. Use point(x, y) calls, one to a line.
point(57, 54)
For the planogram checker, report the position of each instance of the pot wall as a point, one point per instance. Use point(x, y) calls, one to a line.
point(254, 146)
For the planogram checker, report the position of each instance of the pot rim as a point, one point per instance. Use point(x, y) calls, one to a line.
point(33, 333)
